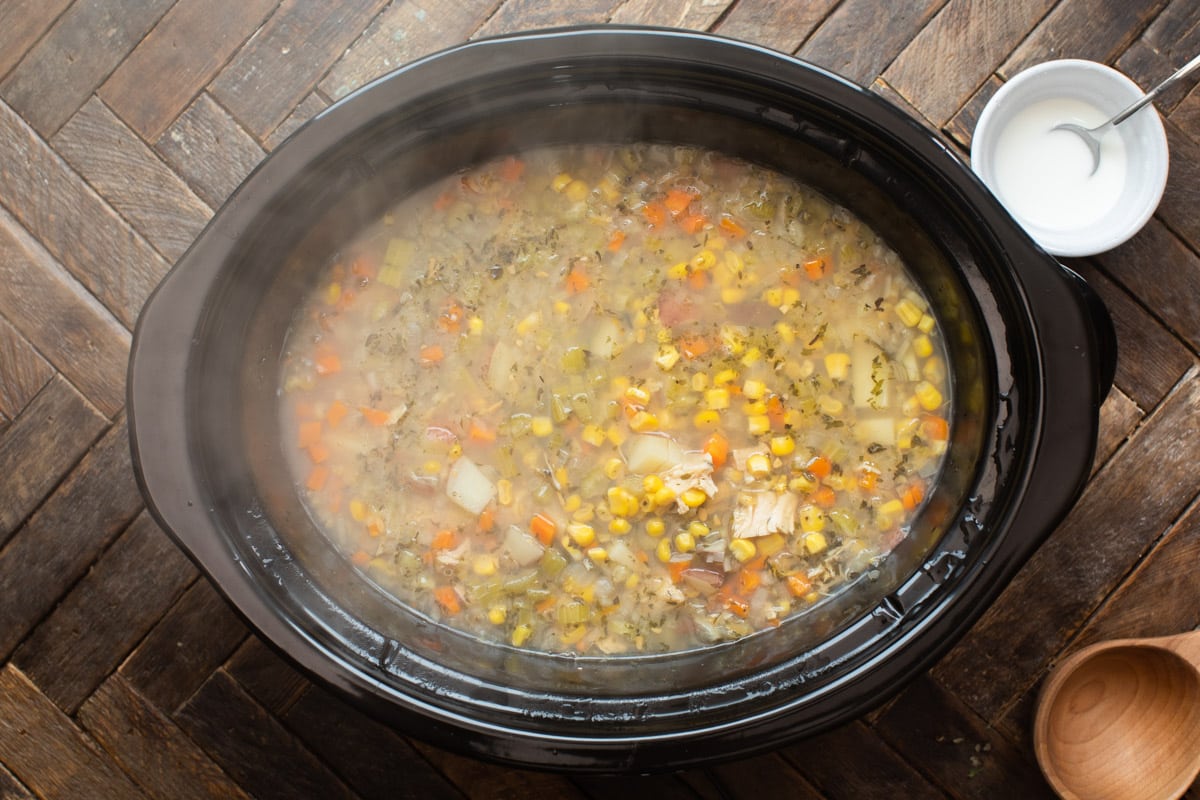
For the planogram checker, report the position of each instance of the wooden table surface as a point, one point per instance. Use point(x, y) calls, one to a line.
point(125, 123)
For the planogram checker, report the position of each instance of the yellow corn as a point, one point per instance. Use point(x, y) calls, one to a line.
point(333, 293)
point(782, 445)
point(815, 542)
point(725, 376)
point(773, 296)
point(484, 564)
point(651, 484)
point(830, 405)
point(837, 365)
point(358, 510)
point(705, 259)
point(667, 357)
point(733, 340)
point(643, 421)
point(684, 542)
point(593, 435)
point(529, 323)
point(693, 498)
point(497, 614)
point(799, 483)
point(560, 181)
point(732, 295)
point(663, 551)
point(619, 525)
point(717, 399)
point(576, 191)
point(562, 307)
point(697, 529)
point(922, 346)
point(785, 332)
point(504, 491)
point(622, 502)
point(790, 298)
point(664, 496)
point(758, 424)
point(541, 426)
point(908, 312)
point(521, 634)
point(655, 527)
point(678, 271)
point(770, 544)
point(614, 469)
point(742, 549)
point(572, 504)
point(581, 534)
point(585, 513)
point(754, 389)
point(615, 435)
point(752, 357)
point(475, 326)
point(927, 324)
point(637, 394)
point(699, 381)
point(754, 408)
point(928, 396)
point(597, 554)
point(812, 519)
point(758, 465)
point(432, 467)
point(705, 420)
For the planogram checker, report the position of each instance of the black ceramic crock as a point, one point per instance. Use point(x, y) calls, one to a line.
point(1032, 354)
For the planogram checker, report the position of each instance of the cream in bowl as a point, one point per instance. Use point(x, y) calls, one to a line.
point(1045, 176)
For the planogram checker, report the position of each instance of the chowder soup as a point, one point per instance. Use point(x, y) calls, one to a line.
point(615, 399)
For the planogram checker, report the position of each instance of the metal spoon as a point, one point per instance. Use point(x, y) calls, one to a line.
point(1122, 719)
point(1091, 136)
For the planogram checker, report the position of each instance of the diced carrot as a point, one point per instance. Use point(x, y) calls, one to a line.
point(824, 497)
point(936, 428)
point(546, 605)
point(487, 519)
point(360, 558)
point(912, 496)
point(738, 606)
point(775, 411)
point(363, 267)
point(318, 452)
point(748, 580)
point(698, 279)
point(816, 268)
point(868, 479)
point(444, 200)
point(431, 354)
point(731, 226)
point(310, 433)
point(480, 432)
point(336, 413)
point(819, 467)
point(447, 598)
point(328, 364)
point(445, 539)
point(693, 223)
point(345, 299)
point(655, 214)
point(451, 317)
point(675, 569)
point(374, 416)
point(317, 478)
point(694, 346)
point(375, 528)
point(677, 201)
point(616, 240)
point(577, 280)
point(511, 169)
point(543, 528)
point(717, 448)
point(799, 585)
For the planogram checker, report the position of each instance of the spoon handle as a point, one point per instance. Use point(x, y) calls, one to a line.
point(1156, 91)
point(1186, 645)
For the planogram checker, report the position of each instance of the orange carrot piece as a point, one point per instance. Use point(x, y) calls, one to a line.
point(444, 200)
point(310, 433)
point(816, 268)
point(738, 606)
point(546, 605)
point(655, 214)
point(431, 354)
point(360, 558)
point(511, 169)
point(375, 528)
point(694, 346)
point(799, 585)
point(577, 280)
point(675, 569)
point(328, 364)
point(936, 428)
point(374, 415)
point(677, 201)
point(543, 528)
point(868, 479)
point(363, 267)
point(717, 447)
point(447, 598)
point(819, 467)
point(317, 478)
point(825, 497)
point(731, 226)
point(912, 496)
point(305, 410)
point(336, 413)
point(748, 580)
point(479, 432)
point(698, 279)
point(616, 240)
point(693, 223)
point(487, 519)
point(318, 452)
point(775, 411)
point(451, 317)
point(445, 539)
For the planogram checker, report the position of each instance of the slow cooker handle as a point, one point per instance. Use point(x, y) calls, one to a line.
point(1102, 329)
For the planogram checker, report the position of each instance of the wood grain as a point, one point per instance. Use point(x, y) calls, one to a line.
point(761, 777)
point(282, 63)
point(475, 779)
point(61, 319)
point(180, 71)
point(961, 127)
point(209, 150)
point(1119, 416)
point(1097, 30)
point(1182, 196)
point(515, 15)
point(22, 23)
point(151, 748)
point(692, 14)
point(42, 444)
point(23, 371)
point(97, 247)
point(312, 105)
point(91, 631)
point(135, 181)
point(13, 789)
point(778, 25)
point(273, 683)
point(857, 43)
point(56, 76)
point(60, 762)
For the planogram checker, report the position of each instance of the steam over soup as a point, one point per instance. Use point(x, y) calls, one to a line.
point(615, 399)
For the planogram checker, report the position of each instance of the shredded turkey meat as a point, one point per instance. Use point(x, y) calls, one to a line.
point(763, 513)
point(694, 473)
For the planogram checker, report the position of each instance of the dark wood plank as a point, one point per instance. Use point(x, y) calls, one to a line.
point(761, 777)
point(252, 746)
point(42, 444)
point(22, 23)
point(371, 758)
point(135, 181)
point(286, 58)
point(782, 26)
point(23, 371)
point(475, 779)
point(209, 150)
point(1098, 30)
point(180, 72)
point(515, 15)
point(857, 42)
point(67, 325)
point(1176, 31)
point(952, 56)
point(74, 649)
point(311, 106)
point(698, 16)
point(58, 761)
point(929, 727)
point(151, 748)
point(190, 641)
point(55, 77)
point(271, 681)
point(852, 762)
point(1160, 271)
point(1124, 510)
point(651, 787)
point(37, 185)
point(401, 33)
point(1182, 197)
point(63, 537)
point(11, 788)
point(1186, 116)
point(961, 127)
point(1118, 417)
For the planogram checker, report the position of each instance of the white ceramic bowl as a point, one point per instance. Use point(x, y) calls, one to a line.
point(1142, 136)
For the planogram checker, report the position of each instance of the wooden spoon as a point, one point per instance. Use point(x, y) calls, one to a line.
point(1121, 720)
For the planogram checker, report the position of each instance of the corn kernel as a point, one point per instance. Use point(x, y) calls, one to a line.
point(754, 408)
point(529, 323)
point(693, 498)
point(733, 340)
point(717, 242)
point(597, 554)
point(752, 357)
point(541, 426)
point(622, 502)
point(678, 271)
point(790, 298)
point(770, 544)
point(830, 405)
point(484, 564)
point(758, 465)
point(560, 181)
point(615, 435)
point(432, 467)
point(655, 527)
point(581, 534)
point(685, 542)
point(927, 324)
point(562, 307)
point(742, 549)
point(773, 296)
point(521, 634)
point(705, 420)
point(333, 293)
point(754, 389)
point(837, 365)
point(614, 469)
point(358, 510)
point(799, 483)
point(619, 525)
point(576, 191)
point(908, 312)
point(705, 259)
point(785, 332)
point(663, 551)
point(585, 513)
point(699, 381)
point(637, 394)
point(782, 445)
point(593, 435)
point(643, 421)
point(732, 295)
point(667, 357)
point(504, 491)
point(497, 615)
point(664, 496)
point(812, 519)
point(724, 377)
point(758, 424)
point(815, 542)
point(698, 529)
point(651, 484)
point(928, 396)
point(717, 399)
point(632, 581)
point(922, 346)
point(572, 504)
